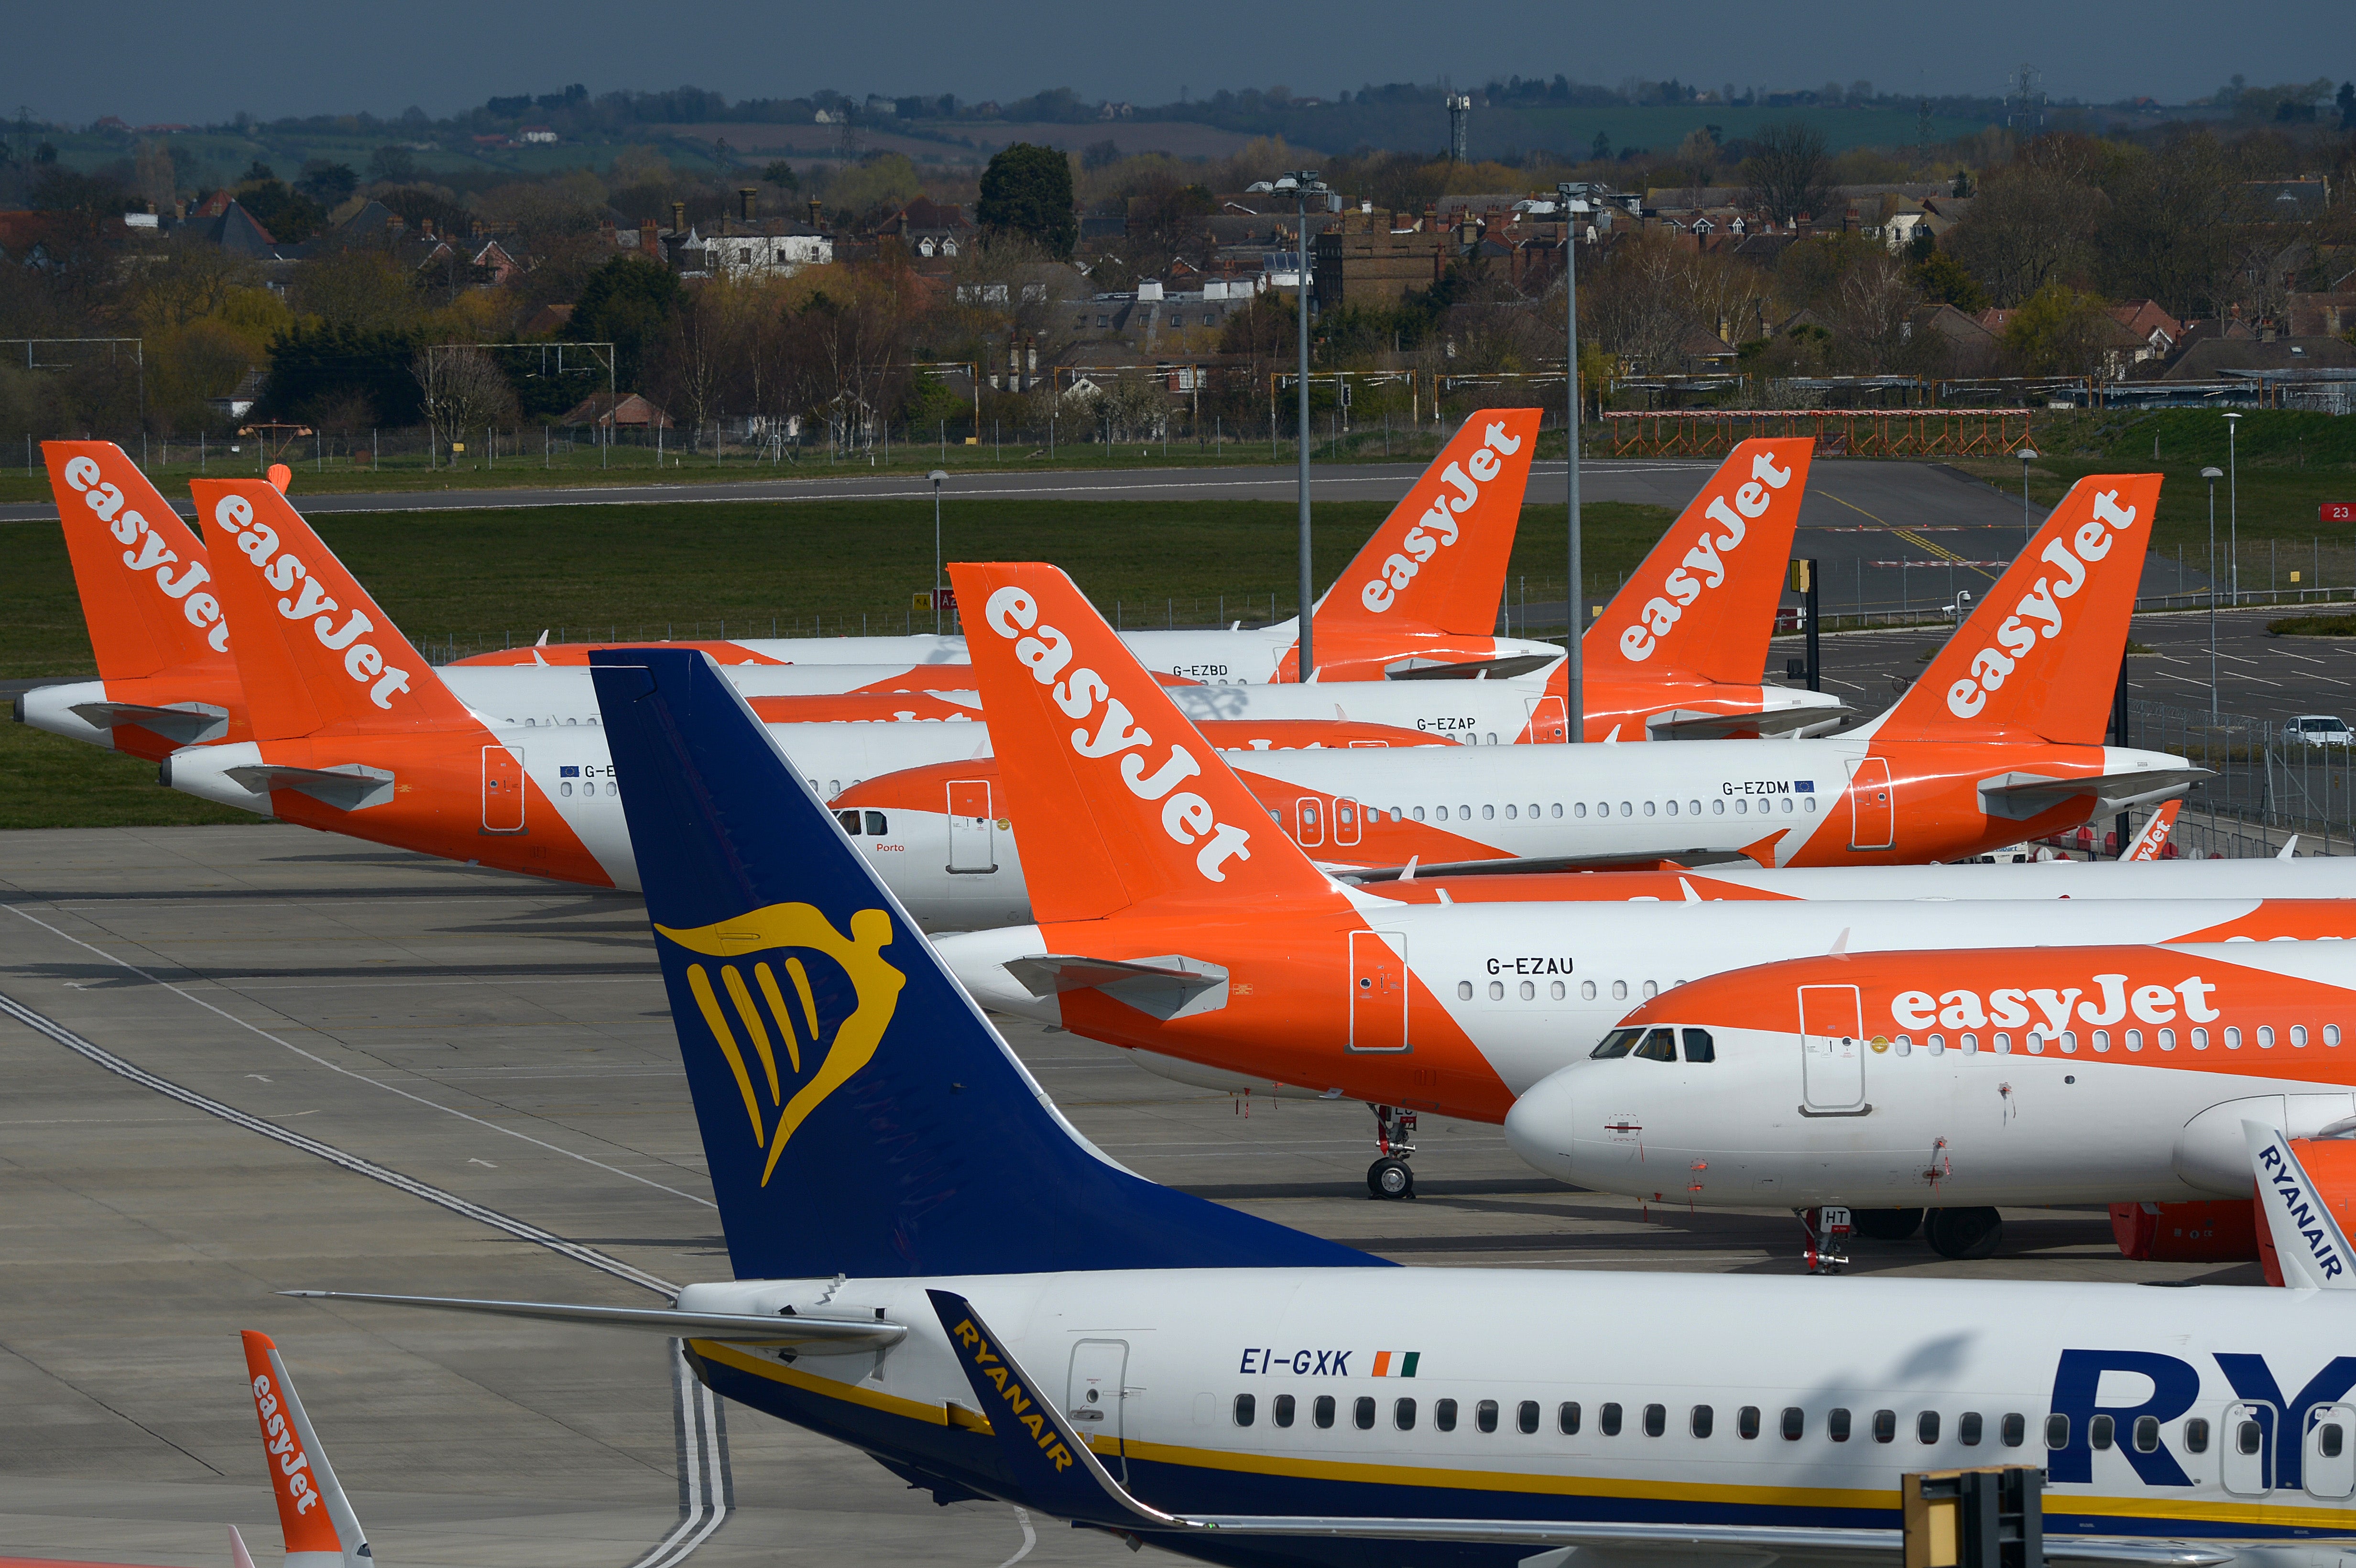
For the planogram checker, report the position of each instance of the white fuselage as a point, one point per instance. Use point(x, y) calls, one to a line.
point(1933, 1116)
point(1379, 1392)
point(1532, 988)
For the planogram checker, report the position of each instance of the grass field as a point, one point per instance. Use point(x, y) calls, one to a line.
point(47, 780)
point(636, 570)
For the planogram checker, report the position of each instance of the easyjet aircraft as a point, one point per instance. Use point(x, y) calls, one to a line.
point(1176, 918)
point(1424, 589)
point(932, 1266)
point(1954, 1081)
point(1676, 655)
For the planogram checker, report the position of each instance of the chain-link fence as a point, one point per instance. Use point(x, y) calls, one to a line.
point(2271, 780)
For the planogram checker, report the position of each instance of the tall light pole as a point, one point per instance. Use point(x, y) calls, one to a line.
point(1300, 185)
point(936, 476)
point(2232, 510)
point(2027, 532)
point(2212, 475)
point(1575, 669)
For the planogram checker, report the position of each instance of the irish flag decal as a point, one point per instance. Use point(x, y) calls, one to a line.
point(1395, 1363)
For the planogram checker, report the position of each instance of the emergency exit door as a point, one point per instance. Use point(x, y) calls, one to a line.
point(1095, 1400)
point(1872, 807)
point(1832, 1049)
point(974, 831)
point(1378, 990)
point(502, 790)
point(1550, 720)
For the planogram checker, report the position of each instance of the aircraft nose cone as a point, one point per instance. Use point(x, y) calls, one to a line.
point(1541, 1125)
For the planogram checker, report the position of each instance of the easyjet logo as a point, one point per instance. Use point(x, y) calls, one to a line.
point(1437, 530)
point(258, 542)
point(1681, 588)
point(1188, 818)
point(279, 1438)
point(2053, 1009)
point(2039, 611)
point(88, 482)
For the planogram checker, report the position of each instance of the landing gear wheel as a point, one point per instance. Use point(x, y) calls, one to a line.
point(1964, 1234)
point(1888, 1224)
point(1389, 1178)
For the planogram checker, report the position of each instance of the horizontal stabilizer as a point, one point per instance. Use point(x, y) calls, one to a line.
point(1505, 669)
point(1685, 724)
point(348, 786)
point(812, 1336)
point(1167, 988)
point(2019, 796)
point(183, 724)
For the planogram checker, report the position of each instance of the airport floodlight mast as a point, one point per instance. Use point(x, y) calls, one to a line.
point(1574, 623)
point(2213, 475)
point(2027, 529)
point(1300, 185)
point(2233, 509)
point(936, 476)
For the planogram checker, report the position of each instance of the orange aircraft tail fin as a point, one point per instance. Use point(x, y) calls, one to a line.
point(2151, 844)
point(1101, 768)
point(145, 582)
point(2039, 656)
point(314, 651)
point(1703, 600)
point(1438, 560)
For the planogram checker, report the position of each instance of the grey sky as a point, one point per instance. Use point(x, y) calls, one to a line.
point(148, 62)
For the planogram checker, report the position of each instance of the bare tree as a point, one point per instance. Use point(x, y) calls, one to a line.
point(1789, 171)
point(465, 389)
point(2029, 227)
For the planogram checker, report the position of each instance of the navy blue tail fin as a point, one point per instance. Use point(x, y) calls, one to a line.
point(860, 1114)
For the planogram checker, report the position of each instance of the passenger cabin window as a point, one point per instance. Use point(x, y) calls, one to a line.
point(1702, 1420)
point(1281, 1412)
point(2147, 1438)
point(1443, 1415)
point(1526, 1415)
point(2057, 1431)
point(1746, 1421)
point(1836, 1424)
point(1403, 1414)
point(2196, 1435)
point(1362, 1414)
point(1566, 1417)
point(1967, 1428)
point(1885, 1426)
point(1656, 1420)
point(2100, 1432)
point(1244, 1410)
point(1484, 1415)
point(1926, 1426)
point(1795, 1424)
point(1607, 1420)
point(1321, 1412)
point(2014, 1430)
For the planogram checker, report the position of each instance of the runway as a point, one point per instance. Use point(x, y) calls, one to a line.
point(249, 1059)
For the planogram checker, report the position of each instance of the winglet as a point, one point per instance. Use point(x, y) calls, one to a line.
point(1048, 1460)
point(1703, 600)
point(314, 651)
point(2307, 1244)
point(1094, 755)
point(238, 1557)
point(2039, 656)
point(142, 574)
point(317, 1519)
point(2148, 844)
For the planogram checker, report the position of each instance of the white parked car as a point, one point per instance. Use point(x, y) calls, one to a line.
point(2317, 730)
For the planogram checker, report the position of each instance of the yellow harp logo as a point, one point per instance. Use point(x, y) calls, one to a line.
point(735, 942)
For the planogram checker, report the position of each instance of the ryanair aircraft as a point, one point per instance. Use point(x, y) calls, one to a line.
point(934, 1266)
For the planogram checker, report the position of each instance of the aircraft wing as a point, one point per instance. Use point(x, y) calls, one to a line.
point(1683, 724)
point(812, 1336)
point(1053, 1468)
point(2020, 796)
point(1632, 861)
point(186, 723)
point(1166, 986)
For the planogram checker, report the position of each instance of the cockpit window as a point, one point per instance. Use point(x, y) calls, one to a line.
point(1619, 1042)
point(1699, 1046)
point(850, 820)
point(1660, 1045)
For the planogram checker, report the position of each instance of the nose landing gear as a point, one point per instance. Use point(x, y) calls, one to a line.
point(1828, 1230)
point(1389, 1177)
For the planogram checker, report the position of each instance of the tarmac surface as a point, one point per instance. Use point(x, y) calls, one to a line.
point(245, 1060)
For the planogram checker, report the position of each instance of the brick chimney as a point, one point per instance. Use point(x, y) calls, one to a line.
point(814, 212)
point(744, 195)
point(649, 240)
point(679, 217)
point(425, 228)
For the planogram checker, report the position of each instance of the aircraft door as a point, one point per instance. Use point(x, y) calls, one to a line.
point(973, 845)
point(1832, 1049)
point(2246, 1449)
point(1872, 806)
point(1347, 814)
point(502, 790)
point(2329, 1461)
point(1550, 720)
point(1378, 991)
point(1095, 1400)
